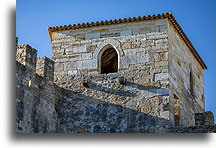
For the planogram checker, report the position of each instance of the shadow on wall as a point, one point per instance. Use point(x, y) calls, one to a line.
point(81, 114)
point(152, 89)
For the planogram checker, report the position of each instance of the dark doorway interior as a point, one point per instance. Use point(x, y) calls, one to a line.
point(109, 61)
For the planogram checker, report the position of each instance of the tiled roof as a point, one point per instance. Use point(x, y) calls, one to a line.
point(135, 19)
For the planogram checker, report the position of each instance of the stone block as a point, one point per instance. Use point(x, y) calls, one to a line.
point(162, 91)
point(90, 48)
point(136, 31)
point(130, 59)
point(130, 52)
point(136, 44)
point(147, 43)
point(142, 58)
point(74, 72)
point(172, 81)
point(79, 49)
point(69, 66)
point(79, 64)
point(91, 36)
point(126, 45)
point(110, 34)
point(86, 56)
point(88, 64)
point(161, 76)
point(206, 118)
point(126, 33)
point(154, 29)
point(58, 67)
point(145, 30)
point(159, 64)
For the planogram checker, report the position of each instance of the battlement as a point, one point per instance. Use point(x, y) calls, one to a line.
point(35, 88)
point(27, 56)
point(45, 68)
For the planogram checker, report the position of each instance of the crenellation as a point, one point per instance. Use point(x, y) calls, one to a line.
point(45, 68)
point(26, 55)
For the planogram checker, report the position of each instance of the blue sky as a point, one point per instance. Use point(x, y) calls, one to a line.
point(196, 17)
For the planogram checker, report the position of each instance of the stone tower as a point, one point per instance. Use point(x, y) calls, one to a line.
point(127, 75)
point(162, 70)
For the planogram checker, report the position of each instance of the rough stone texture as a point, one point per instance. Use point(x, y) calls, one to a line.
point(36, 93)
point(181, 63)
point(68, 94)
point(192, 129)
point(107, 106)
point(206, 118)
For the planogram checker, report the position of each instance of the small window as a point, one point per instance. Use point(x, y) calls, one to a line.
point(191, 83)
point(109, 61)
point(176, 111)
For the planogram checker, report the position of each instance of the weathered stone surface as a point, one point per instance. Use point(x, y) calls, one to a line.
point(206, 118)
point(90, 48)
point(86, 56)
point(161, 76)
point(126, 33)
point(192, 129)
point(90, 36)
point(181, 62)
point(70, 95)
point(69, 66)
point(79, 49)
point(126, 45)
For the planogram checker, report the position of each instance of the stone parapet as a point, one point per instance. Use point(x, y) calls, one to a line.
point(206, 118)
point(27, 56)
point(45, 68)
point(192, 129)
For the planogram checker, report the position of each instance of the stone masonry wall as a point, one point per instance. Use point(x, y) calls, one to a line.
point(68, 94)
point(181, 63)
point(36, 93)
point(105, 105)
point(143, 62)
point(204, 123)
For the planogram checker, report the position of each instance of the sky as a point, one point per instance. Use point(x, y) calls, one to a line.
point(196, 17)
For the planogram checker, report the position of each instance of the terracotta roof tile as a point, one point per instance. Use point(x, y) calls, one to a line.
point(135, 19)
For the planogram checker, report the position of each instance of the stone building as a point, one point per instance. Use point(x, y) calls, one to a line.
point(127, 75)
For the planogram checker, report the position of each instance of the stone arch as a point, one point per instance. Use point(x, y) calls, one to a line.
point(108, 60)
point(109, 43)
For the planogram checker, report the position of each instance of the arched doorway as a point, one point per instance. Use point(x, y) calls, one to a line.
point(109, 61)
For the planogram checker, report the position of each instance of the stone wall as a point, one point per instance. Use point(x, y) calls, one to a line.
point(68, 94)
point(181, 63)
point(105, 105)
point(206, 118)
point(142, 61)
point(36, 92)
point(75, 55)
point(204, 123)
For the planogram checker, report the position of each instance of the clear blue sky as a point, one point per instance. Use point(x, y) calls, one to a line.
point(196, 17)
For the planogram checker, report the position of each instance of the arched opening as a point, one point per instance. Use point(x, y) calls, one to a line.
point(191, 84)
point(109, 61)
point(176, 110)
